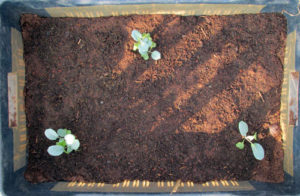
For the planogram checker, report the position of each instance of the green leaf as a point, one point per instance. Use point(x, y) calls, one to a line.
point(243, 127)
point(145, 56)
point(55, 150)
point(61, 143)
point(146, 35)
point(240, 145)
point(258, 151)
point(61, 132)
point(68, 131)
point(143, 47)
point(155, 55)
point(255, 136)
point(148, 42)
point(135, 46)
point(69, 149)
point(51, 134)
point(153, 45)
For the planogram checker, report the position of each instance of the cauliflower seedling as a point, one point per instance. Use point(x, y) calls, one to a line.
point(144, 45)
point(66, 143)
point(257, 149)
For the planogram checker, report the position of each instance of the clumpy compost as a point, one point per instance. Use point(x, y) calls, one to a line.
point(175, 118)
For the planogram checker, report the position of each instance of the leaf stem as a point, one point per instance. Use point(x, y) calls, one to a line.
point(248, 140)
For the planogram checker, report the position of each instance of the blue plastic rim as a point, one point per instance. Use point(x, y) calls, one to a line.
point(13, 183)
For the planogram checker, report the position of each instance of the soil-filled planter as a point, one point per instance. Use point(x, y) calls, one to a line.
point(175, 118)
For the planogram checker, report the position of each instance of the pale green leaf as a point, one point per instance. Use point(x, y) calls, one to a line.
point(148, 42)
point(258, 151)
point(62, 132)
point(243, 127)
point(55, 150)
point(143, 47)
point(155, 55)
point(75, 145)
point(51, 134)
point(136, 35)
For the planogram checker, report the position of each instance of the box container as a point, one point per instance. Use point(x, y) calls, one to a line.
point(12, 80)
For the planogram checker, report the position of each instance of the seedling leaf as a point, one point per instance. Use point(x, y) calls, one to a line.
point(69, 149)
point(135, 46)
point(243, 127)
point(145, 56)
point(146, 35)
point(51, 134)
point(148, 42)
point(75, 145)
point(153, 45)
point(143, 47)
point(155, 55)
point(136, 35)
point(255, 136)
point(61, 132)
point(240, 145)
point(258, 151)
point(55, 150)
point(61, 143)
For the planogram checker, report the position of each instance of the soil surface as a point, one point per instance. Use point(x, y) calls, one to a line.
point(175, 118)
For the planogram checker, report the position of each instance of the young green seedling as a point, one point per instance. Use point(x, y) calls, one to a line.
point(144, 45)
point(66, 143)
point(257, 149)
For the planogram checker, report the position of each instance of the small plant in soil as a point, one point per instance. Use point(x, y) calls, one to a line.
point(257, 149)
point(144, 45)
point(66, 143)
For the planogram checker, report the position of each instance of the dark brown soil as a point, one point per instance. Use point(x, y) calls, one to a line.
point(176, 118)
